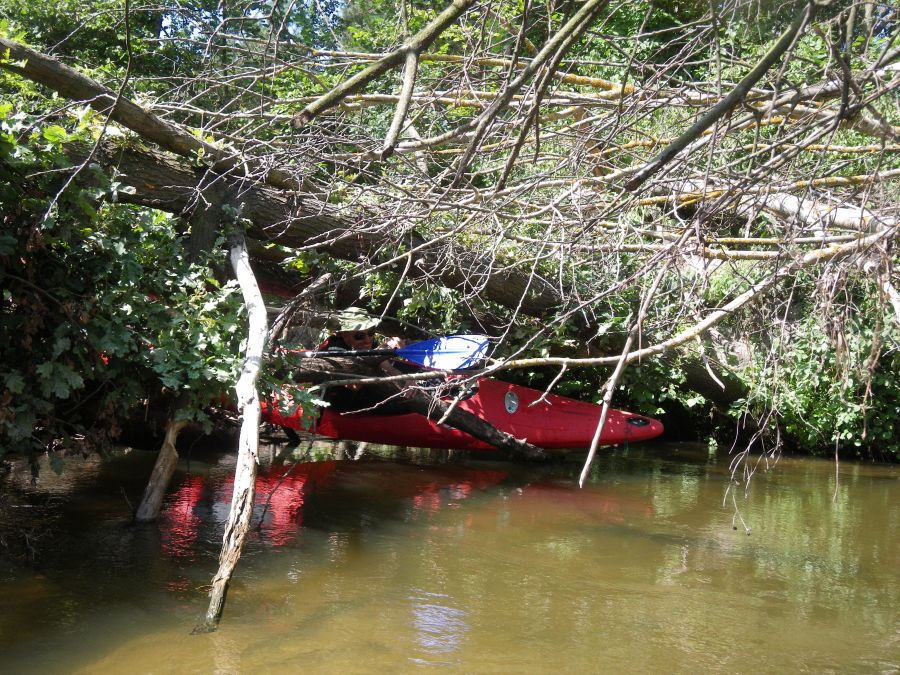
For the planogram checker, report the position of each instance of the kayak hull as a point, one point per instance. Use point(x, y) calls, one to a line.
point(548, 421)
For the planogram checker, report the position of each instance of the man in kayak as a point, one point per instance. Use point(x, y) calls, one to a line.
point(354, 331)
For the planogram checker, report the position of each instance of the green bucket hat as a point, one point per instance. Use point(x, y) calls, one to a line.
point(353, 318)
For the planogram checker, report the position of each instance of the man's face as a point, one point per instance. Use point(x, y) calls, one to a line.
point(358, 339)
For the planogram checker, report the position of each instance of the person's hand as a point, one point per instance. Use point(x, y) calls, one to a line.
point(394, 343)
point(388, 369)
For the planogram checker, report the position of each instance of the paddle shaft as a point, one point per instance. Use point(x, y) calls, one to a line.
point(347, 352)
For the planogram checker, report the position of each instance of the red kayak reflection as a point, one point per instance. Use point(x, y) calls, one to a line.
point(282, 492)
point(179, 521)
point(278, 505)
point(431, 497)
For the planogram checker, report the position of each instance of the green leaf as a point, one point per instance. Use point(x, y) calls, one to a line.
point(55, 134)
point(58, 379)
point(21, 425)
point(63, 344)
point(14, 382)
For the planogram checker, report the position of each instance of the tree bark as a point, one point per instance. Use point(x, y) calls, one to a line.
point(302, 219)
point(248, 443)
point(76, 86)
point(166, 461)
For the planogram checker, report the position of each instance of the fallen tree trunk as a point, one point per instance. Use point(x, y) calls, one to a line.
point(292, 217)
point(295, 220)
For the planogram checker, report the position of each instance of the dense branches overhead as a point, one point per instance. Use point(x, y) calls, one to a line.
point(530, 164)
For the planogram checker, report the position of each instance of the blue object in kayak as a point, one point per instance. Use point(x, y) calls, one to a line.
point(451, 352)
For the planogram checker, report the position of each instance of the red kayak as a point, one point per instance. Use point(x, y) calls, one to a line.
point(557, 422)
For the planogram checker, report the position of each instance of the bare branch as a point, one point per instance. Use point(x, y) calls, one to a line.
point(417, 43)
point(729, 102)
point(409, 81)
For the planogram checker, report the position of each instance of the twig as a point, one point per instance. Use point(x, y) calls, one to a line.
point(573, 27)
point(416, 44)
point(620, 368)
point(733, 98)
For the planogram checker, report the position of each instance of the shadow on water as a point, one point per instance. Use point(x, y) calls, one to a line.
point(418, 559)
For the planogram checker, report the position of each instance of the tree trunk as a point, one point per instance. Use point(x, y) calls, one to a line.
point(248, 443)
point(166, 461)
point(298, 219)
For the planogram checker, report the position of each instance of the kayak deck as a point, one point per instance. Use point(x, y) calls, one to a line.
point(548, 421)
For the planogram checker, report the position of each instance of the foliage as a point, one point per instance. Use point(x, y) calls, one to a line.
point(101, 311)
point(836, 383)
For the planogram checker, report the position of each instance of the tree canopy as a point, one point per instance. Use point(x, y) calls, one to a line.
point(705, 192)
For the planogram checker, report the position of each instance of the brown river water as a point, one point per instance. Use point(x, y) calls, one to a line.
point(405, 562)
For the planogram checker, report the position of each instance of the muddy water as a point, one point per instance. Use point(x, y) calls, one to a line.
point(412, 563)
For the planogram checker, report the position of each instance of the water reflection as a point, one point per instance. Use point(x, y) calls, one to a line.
point(430, 497)
point(475, 565)
point(440, 628)
point(278, 506)
point(180, 520)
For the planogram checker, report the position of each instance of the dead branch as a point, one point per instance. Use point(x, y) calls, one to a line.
point(416, 44)
point(248, 406)
point(728, 103)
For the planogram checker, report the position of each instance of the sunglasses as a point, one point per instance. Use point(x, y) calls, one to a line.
point(363, 334)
